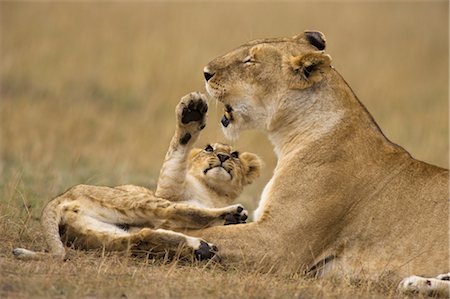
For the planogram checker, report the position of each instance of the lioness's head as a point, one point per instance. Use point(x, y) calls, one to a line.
point(254, 80)
point(223, 169)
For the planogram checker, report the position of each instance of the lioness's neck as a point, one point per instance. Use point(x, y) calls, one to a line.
point(304, 117)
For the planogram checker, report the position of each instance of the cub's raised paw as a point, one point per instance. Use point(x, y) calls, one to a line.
point(238, 216)
point(193, 108)
point(206, 251)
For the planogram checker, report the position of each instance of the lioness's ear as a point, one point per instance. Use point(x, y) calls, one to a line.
point(252, 167)
point(307, 69)
point(315, 38)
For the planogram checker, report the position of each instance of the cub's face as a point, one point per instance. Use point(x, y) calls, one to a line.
point(252, 80)
point(223, 169)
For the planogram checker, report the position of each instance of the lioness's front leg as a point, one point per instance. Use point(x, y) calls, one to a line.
point(191, 114)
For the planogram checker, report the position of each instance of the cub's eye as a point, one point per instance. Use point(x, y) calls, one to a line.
point(235, 155)
point(209, 149)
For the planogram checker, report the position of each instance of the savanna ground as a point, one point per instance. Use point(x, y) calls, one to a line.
point(88, 92)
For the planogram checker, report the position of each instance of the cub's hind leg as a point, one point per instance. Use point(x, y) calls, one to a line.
point(86, 232)
point(144, 240)
point(133, 188)
point(161, 240)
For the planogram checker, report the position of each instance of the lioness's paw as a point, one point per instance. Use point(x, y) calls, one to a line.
point(444, 276)
point(205, 251)
point(193, 108)
point(236, 216)
point(412, 284)
point(21, 253)
point(425, 286)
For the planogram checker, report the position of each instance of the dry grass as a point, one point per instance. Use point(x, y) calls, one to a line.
point(90, 275)
point(88, 93)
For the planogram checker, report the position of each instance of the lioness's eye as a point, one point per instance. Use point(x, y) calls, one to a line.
point(248, 59)
point(209, 148)
point(235, 155)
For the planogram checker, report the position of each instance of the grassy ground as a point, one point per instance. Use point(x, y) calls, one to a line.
point(87, 96)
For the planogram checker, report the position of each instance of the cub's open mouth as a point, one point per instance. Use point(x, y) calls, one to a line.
point(227, 117)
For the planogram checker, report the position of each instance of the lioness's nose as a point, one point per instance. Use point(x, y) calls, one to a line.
point(223, 158)
point(208, 75)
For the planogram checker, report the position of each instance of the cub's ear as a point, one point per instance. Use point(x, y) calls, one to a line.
point(305, 70)
point(315, 38)
point(252, 165)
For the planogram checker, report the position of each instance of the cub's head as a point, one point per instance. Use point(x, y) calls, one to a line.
point(254, 80)
point(224, 170)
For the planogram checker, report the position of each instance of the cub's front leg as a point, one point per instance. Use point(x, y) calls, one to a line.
point(185, 216)
point(191, 115)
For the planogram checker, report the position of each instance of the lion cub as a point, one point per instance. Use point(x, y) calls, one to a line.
point(194, 190)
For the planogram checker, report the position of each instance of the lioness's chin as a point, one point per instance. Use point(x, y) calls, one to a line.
point(231, 132)
point(214, 93)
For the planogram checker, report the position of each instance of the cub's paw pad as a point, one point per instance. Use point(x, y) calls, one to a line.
point(205, 251)
point(237, 217)
point(185, 139)
point(194, 110)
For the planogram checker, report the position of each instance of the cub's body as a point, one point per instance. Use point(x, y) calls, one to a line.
point(195, 189)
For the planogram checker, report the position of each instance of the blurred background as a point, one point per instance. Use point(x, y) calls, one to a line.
point(88, 90)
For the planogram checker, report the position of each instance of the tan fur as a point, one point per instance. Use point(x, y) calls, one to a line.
point(198, 184)
point(343, 198)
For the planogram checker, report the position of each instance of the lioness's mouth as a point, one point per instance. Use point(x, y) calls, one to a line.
point(227, 117)
point(225, 121)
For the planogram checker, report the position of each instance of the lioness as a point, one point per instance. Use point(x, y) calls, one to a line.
point(199, 184)
point(343, 198)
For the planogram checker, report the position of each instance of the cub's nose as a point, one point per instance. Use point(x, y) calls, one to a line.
point(223, 158)
point(207, 75)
